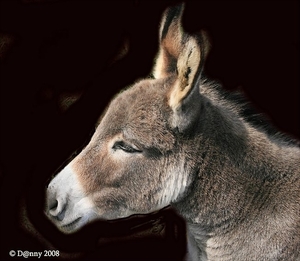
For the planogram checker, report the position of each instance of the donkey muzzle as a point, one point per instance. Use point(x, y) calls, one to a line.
point(67, 206)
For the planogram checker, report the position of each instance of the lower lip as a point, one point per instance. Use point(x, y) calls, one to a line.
point(72, 223)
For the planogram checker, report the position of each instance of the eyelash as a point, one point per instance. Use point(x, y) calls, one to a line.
point(125, 147)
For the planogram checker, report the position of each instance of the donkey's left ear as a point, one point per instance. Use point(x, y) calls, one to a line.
point(182, 56)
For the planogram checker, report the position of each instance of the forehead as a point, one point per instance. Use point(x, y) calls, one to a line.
point(138, 112)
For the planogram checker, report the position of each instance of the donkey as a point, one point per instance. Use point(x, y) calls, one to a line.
point(176, 139)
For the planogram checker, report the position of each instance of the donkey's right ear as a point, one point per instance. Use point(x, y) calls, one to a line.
point(170, 39)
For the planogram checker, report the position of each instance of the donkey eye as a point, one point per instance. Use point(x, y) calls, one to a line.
point(121, 145)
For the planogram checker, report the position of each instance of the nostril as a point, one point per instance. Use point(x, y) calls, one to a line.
point(54, 205)
point(56, 208)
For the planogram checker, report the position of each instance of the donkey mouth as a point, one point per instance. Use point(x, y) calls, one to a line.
point(71, 225)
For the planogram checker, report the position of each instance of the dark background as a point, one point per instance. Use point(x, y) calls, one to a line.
point(51, 51)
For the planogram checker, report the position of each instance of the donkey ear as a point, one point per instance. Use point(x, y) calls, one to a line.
point(184, 98)
point(170, 37)
point(181, 55)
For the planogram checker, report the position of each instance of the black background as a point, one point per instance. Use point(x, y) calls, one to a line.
point(68, 46)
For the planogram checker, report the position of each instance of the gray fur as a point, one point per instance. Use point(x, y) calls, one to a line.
point(237, 187)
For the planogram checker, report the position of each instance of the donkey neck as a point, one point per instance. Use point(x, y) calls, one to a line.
point(234, 183)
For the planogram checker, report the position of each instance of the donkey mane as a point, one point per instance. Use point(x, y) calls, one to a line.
point(238, 102)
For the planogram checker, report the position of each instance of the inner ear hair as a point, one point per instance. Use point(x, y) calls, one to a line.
point(188, 71)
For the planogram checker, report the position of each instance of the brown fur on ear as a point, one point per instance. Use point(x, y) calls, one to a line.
point(170, 38)
point(182, 56)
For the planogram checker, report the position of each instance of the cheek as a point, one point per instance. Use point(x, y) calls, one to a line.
point(110, 203)
point(143, 183)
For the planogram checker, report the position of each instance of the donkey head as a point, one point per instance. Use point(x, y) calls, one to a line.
point(140, 158)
